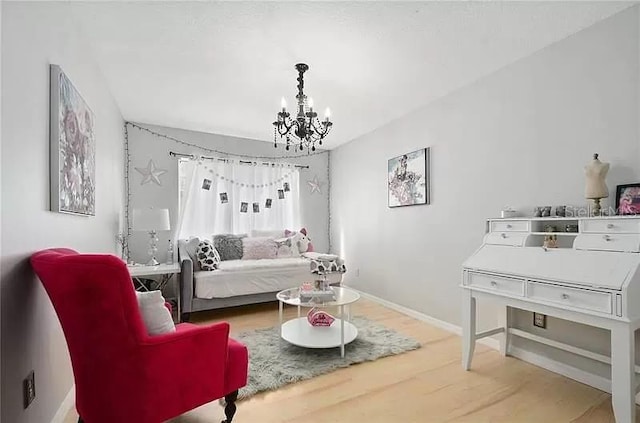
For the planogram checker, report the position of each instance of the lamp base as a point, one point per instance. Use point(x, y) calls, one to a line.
point(153, 249)
point(153, 262)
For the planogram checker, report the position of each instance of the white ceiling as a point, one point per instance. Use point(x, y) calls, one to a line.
point(222, 67)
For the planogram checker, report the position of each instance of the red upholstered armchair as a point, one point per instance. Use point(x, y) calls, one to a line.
point(122, 374)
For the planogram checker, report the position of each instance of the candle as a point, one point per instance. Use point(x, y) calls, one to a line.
point(310, 103)
point(327, 114)
point(283, 103)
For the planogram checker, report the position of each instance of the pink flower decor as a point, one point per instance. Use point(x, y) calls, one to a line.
point(319, 318)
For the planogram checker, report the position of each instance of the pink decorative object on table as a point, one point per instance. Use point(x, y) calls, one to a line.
point(319, 318)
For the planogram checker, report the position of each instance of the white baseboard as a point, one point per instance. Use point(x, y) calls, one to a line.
point(65, 407)
point(449, 327)
point(546, 363)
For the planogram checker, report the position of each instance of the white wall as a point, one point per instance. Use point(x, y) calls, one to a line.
point(518, 137)
point(33, 36)
point(143, 146)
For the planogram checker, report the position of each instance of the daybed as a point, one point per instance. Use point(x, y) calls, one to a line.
point(240, 282)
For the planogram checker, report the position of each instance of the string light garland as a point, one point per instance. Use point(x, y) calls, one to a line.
point(213, 150)
point(329, 199)
point(127, 164)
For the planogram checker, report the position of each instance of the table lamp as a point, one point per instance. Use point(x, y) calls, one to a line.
point(151, 220)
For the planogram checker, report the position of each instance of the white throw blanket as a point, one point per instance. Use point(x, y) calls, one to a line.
point(320, 256)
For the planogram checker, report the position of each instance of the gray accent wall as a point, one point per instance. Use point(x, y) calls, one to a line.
point(518, 137)
point(143, 146)
point(33, 36)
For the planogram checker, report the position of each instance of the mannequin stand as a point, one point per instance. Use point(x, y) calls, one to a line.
point(596, 210)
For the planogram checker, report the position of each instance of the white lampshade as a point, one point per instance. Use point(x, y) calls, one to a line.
point(151, 220)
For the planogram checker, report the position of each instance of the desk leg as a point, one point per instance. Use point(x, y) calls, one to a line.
point(505, 322)
point(468, 328)
point(623, 387)
point(342, 331)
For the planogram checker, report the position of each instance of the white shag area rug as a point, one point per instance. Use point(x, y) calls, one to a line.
point(273, 362)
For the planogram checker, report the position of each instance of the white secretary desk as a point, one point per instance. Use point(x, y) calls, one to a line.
point(593, 277)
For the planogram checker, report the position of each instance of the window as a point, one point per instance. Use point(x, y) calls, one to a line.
point(229, 197)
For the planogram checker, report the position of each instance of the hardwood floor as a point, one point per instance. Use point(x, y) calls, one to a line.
point(426, 385)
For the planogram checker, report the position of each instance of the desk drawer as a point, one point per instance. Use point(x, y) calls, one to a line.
point(509, 226)
point(611, 226)
point(515, 239)
point(579, 298)
point(608, 242)
point(497, 283)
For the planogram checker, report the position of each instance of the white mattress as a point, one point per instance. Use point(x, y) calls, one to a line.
point(245, 277)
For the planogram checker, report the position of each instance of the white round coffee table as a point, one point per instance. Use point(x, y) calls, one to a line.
point(299, 332)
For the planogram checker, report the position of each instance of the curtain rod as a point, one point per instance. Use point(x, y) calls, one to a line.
point(192, 156)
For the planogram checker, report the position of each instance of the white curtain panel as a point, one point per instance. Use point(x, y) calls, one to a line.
point(202, 213)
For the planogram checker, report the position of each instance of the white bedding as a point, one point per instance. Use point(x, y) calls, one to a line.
point(245, 277)
point(248, 265)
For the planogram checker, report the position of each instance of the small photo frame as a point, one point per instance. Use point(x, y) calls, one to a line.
point(281, 194)
point(628, 199)
point(206, 184)
point(267, 204)
point(224, 198)
point(244, 207)
point(286, 187)
point(256, 207)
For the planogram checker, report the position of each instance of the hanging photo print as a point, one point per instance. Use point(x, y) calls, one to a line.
point(224, 198)
point(244, 207)
point(286, 187)
point(206, 184)
point(267, 204)
point(256, 207)
point(281, 194)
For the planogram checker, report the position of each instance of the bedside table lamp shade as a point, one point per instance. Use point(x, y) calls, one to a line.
point(151, 220)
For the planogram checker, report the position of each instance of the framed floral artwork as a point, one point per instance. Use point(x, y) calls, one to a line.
point(409, 179)
point(72, 147)
point(628, 199)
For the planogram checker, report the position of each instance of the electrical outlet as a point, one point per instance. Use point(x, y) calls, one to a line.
point(29, 388)
point(540, 320)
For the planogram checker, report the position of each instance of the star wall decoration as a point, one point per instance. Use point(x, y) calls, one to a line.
point(151, 173)
point(315, 185)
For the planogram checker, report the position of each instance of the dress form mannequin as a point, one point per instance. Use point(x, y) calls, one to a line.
point(596, 187)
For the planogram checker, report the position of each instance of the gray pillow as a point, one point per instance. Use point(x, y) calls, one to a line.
point(229, 246)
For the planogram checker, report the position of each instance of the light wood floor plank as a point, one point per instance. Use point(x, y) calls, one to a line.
point(422, 386)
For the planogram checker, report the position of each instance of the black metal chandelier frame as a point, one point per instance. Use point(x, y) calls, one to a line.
point(306, 130)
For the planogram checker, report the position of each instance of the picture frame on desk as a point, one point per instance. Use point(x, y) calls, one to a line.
point(628, 199)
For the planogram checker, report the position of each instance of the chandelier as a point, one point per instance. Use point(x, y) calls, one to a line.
point(306, 129)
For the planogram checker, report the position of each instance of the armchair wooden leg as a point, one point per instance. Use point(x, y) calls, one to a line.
point(80, 420)
point(230, 408)
point(184, 318)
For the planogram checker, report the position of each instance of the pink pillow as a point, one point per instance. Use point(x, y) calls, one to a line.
point(258, 248)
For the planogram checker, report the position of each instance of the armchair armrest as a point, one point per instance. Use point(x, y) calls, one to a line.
point(189, 363)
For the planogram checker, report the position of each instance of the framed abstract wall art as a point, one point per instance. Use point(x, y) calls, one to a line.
point(409, 179)
point(72, 147)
